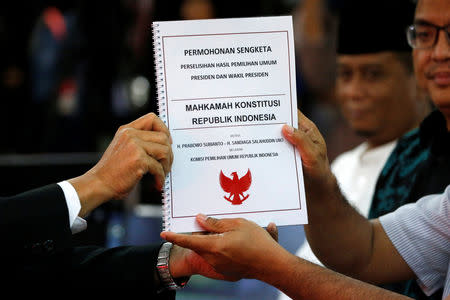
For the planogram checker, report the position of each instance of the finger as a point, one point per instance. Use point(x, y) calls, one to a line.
point(150, 121)
point(304, 141)
point(218, 225)
point(162, 153)
point(273, 231)
point(152, 136)
point(304, 123)
point(197, 243)
point(296, 138)
point(156, 169)
point(156, 151)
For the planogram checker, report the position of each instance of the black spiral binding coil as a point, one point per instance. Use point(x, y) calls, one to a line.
point(162, 112)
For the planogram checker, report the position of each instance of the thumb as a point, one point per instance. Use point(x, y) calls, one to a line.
point(212, 224)
point(308, 141)
point(297, 138)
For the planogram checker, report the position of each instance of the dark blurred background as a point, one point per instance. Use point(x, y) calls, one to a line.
point(72, 72)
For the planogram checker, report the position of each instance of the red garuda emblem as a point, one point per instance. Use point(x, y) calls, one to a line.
point(236, 186)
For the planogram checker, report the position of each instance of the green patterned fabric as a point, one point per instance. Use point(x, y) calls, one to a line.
point(418, 166)
point(398, 175)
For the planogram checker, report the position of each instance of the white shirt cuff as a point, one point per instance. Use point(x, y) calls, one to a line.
point(76, 223)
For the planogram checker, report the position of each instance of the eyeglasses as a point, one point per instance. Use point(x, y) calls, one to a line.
point(425, 36)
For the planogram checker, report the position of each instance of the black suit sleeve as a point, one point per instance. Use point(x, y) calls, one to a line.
point(99, 268)
point(35, 217)
point(40, 215)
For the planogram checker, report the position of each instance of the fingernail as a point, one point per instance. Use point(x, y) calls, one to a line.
point(289, 129)
point(202, 217)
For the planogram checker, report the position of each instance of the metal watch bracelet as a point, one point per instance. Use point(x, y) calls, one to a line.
point(163, 269)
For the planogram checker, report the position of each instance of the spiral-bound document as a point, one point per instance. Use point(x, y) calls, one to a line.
point(225, 89)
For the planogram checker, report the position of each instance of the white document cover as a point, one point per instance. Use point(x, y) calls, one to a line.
point(225, 89)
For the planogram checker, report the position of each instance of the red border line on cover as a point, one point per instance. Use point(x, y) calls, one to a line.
point(290, 94)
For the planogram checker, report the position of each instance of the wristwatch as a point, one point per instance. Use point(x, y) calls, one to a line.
point(163, 269)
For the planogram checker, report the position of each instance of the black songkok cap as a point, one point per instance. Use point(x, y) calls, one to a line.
point(374, 26)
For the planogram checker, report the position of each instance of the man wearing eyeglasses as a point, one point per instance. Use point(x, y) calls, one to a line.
point(412, 242)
